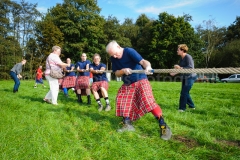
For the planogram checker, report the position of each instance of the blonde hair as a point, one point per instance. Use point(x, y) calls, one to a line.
point(83, 54)
point(111, 44)
point(183, 47)
point(55, 48)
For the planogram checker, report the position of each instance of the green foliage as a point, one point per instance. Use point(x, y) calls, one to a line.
point(81, 26)
point(229, 56)
point(4, 75)
point(48, 35)
point(32, 129)
point(233, 31)
point(77, 27)
point(166, 33)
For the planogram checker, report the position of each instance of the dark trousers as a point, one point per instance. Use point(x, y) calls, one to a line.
point(16, 80)
point(185, 97)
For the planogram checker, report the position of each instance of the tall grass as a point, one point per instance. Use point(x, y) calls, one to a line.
point(33, 129)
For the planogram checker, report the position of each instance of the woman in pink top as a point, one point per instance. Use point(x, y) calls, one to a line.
point(54, 62)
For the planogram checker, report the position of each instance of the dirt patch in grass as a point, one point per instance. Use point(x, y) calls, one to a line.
point(190, 143)
point(229, 143)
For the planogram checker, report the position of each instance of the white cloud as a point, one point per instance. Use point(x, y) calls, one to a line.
point(156, 10)
point(42, 9)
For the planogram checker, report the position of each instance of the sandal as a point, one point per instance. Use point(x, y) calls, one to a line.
point(47, 100)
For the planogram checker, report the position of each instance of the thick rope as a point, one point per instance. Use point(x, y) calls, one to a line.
point(196, 70)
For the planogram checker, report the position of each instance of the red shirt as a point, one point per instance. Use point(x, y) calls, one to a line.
point(39, 73)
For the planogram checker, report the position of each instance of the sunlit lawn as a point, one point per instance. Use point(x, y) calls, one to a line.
point(32, 129)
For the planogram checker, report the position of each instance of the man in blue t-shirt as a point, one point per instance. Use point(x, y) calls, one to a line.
point(83, 82)
point(134, 98)
point(100, 82)
point(69, 80)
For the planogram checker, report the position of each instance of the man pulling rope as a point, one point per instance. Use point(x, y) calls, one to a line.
point(134, 98)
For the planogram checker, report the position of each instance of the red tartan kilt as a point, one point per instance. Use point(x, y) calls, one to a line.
point(82, 82)
point(135, 100)
point(97, 85)
point(69, 82)
point(60, 81)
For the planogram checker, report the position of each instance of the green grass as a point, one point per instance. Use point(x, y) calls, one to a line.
point(32, 129)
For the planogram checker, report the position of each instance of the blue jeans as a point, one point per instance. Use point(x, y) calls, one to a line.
point(185, 97)
point(16, 80)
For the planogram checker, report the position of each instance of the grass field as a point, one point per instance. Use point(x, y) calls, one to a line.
point(33, 129)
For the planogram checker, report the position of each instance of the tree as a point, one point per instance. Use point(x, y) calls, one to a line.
point(143, 38)
point(229, 56)
point(233, 31)
point(9, 47)
point(130, 31)
point(114, 31)
point(212, 38)
point(166, 33)
point(81, 25)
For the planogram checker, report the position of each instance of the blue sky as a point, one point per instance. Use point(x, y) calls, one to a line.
point(224, 12)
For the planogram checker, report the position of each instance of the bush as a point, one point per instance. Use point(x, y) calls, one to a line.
point(5, 75)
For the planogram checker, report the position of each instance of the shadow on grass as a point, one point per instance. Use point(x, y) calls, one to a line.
point(85, 112)
point(7, 90)
point(33, 98)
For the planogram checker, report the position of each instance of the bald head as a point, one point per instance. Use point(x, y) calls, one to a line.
point(114, 50)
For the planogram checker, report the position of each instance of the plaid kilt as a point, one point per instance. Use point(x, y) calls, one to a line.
point(97, 85)
point(135, 100)
point(69, 82)
point(82, 82)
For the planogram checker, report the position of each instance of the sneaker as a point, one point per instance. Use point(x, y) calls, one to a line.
point(180, 110)
point(126, 127)
point(165, 132)
point(100, 108)
point(108, 108)
point(193, 108)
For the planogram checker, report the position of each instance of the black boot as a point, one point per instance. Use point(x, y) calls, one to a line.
point(165, 131)
point(89, 99)
point(79, 98)
point(127, 126)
